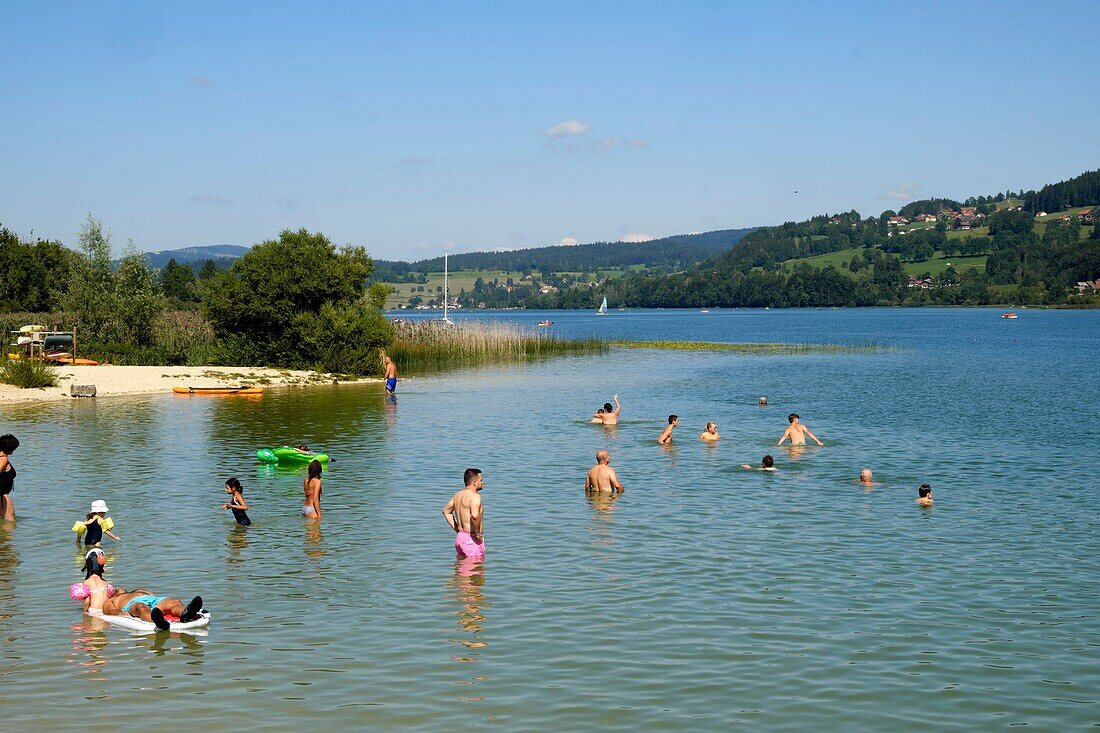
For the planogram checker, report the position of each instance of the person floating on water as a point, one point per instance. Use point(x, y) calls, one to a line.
point(762, 401)
point(666, 434)
point(710, 433)
point(96, 525)
point(865, 477)
point(766, 464)
point(601, 478)
point(465, 513)
point(609, 415)
point(100, 597)
point(797, 432)
point(237, 502)
point(311, 507)
point(8, 444)
point(391, 375)
point(924, 495)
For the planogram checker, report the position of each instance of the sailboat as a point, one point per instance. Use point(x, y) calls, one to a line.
point(603, 307)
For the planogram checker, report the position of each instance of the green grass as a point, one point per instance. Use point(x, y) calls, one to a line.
point(28, 374)
point(765, 348)
point(838, 259)
point(939, 263)
point(433, 345)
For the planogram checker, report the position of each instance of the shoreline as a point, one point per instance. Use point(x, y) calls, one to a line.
point(118, 381)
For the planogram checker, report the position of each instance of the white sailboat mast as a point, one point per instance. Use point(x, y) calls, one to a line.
point(445, 283)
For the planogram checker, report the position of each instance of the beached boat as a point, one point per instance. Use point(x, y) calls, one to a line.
point(1009, 314)
point(243, 390)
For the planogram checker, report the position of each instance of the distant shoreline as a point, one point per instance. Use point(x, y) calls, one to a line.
point(117, 381)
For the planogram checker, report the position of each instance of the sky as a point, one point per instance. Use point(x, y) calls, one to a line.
point(410, 127)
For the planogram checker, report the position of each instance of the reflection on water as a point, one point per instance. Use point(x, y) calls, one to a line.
point(706, 598)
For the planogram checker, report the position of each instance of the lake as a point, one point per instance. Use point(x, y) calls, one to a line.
point(706, 597)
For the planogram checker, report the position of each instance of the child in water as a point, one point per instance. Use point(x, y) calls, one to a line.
point(924, 495)
point(96, 525)
point(237, 502)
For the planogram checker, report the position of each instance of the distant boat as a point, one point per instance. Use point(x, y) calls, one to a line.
point(544, 324)
point(705, 310)
point(1009, 314)
point(603, 307)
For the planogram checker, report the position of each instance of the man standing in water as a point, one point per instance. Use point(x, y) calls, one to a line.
point(610, 415)
point(601, 478)
point(710, 433)
point(666, 434)
point(797, 432)
point(391, 375)
point(464, 513)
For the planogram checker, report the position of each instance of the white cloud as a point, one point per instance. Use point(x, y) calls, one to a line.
point(415, 161)
point(637, 238)
point(903, 192)
point(567, 241)
point(567, 127)
point(210, 198)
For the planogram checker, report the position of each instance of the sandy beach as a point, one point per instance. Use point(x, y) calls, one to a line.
point(112, 381)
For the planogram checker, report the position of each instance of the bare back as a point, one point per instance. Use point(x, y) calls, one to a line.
point(601, 478)
point(465, 507)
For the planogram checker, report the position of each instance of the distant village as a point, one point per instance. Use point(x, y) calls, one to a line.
point(968, 217)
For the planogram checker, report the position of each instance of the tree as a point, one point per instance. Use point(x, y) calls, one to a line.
point(297, 301)
point(178, 281)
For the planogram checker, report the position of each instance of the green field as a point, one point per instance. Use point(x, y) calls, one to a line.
point(935, 266)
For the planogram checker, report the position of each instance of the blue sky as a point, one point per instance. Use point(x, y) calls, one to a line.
point(506, 125)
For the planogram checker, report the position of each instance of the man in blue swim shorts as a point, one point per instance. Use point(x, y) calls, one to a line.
point(391, 375)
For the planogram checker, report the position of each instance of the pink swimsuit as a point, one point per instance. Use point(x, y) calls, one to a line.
point(466, 547)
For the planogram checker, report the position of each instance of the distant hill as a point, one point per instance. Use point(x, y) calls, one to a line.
point(222, 254)
point(676, 252)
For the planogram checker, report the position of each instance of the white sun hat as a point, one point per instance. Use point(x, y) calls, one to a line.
point(99, 506)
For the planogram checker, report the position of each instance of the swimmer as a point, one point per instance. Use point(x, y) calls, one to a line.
point(609, 415)
point(924, 495)
point(666, 434)
point(762, 402)
point(797, 432)
point(865, 477)
point(601, 478)
point(710, 433)
point(237, 502)
point(465, 513)
point(766, 464)
point(96, 525)
point(391, 375)
point(598, 417)
point(8, 444)
point(312, 488)
point(102, 598)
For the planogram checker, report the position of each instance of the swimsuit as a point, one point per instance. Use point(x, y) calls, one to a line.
point(307, 511)
point(7, 480)
point(241, 516)
point(466, 547)
point(94, 528)
point(150, 601)
point(391, 384)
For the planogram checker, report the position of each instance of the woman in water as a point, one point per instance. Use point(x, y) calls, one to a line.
point(8, 444)
point(312, 487)
point(237, 502)
point(100, 597)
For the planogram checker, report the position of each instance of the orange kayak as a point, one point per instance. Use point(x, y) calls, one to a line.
point(219, 390)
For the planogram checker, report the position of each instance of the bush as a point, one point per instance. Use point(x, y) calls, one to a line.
point(28, 374)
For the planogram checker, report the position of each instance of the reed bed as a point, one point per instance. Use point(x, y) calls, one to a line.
point(748, 348)
point(28, 374)
point(428, 345)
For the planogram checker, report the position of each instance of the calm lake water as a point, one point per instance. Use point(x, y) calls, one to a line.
point(705, 598)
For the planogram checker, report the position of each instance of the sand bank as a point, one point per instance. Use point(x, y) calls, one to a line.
point(111, 381)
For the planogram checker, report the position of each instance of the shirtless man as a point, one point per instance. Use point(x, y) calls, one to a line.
point(610, 415)
point(924, 495)
point(710, 433)
point(666, 434)
point(391, 375)
point(767, 464)
point(601, 478)
point(865, 477)
point(464, 513)
point(797, 432)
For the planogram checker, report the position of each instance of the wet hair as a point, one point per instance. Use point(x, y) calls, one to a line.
point(599, 411)
point(762, 401)
point(302, 447)
point(768, 462)
point(709, 424)
point(314, 469)
point(234, 484)
point(608, 407)
point(93, 565)
point(8, 444)
point(924, 490)
point(792, 417)
point(470, 475)
point(673, 418)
